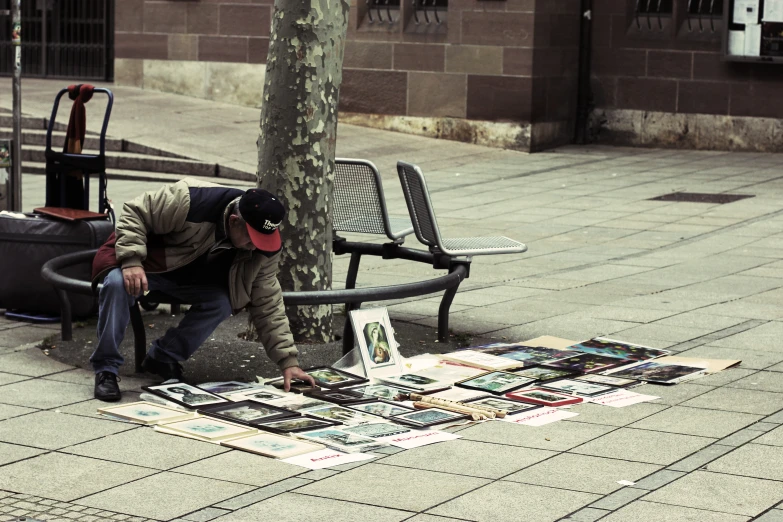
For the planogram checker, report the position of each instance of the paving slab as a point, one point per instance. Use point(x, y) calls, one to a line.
point(644, 510)
point(764, 337)
point(79, 376)
point(40, 393)
point(407, 493)
point(699, 459)
point(25, 334)
point(12, 453)
point(596, 414)
point(476, 459)
point(142, 446)
point(31, 362)
point(751, 460)
point(652, 447)
point(557, 436)
point(697, 421)
point(491, 503)
point(739, 400)
point(726, 376)
point(241, 467)
point(152, 497)
point(293, 507)
point(718, 492)
point(8, 378)
point(772, 438)
point(421, 517)
point(89, 408)
point(656, 480)
point(673, 395)
point(763, 381)
point(66, 477)
point(751, 359)
point(50, 430)
point(7, 411)
point(583, 473)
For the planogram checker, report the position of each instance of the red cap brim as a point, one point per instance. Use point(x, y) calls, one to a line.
point(265, 242)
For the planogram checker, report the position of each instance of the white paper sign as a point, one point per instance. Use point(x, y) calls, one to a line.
point(773, 10)
point(621, 398)
point(414, 439)
point(752, 39)
point(326, 458)
point(540, 416)
point(746, 12)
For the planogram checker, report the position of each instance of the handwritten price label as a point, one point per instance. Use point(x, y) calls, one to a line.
point(621, 399)
point(540, 417)
point(421, 438)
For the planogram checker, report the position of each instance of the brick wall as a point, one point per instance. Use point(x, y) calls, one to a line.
point(664, 66)
point(506, 60)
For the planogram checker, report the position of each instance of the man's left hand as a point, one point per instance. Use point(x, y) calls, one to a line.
point(295, 372)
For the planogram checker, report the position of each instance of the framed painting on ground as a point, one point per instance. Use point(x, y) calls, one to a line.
point(147, 413)
point(185, 395)
point(271, 445)
point(496, 383)
point(247, 412)
point(544, 397)
point(297, 424)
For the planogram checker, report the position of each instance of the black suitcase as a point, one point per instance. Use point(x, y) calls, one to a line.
point(26, 244)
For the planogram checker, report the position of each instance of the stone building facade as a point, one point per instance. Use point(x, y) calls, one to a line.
point(497, 72)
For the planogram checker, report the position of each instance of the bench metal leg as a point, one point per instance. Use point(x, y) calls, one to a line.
point(350, 282)
point(66, 325)
point(175, 309)
point(443, 312)
point(348, 330)
point(139, 336)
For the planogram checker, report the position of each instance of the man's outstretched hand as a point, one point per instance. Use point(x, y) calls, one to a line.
point(295, 372)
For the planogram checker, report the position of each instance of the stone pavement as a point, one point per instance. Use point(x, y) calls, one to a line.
point(700, 279)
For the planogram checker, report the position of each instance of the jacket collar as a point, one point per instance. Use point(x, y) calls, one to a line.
point(221, 229)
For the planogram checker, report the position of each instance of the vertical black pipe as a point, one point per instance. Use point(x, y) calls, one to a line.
point(584, 95)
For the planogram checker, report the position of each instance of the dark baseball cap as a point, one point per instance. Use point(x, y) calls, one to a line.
point(263, 213)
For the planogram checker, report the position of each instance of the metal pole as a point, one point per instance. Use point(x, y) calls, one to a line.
point(16, 154)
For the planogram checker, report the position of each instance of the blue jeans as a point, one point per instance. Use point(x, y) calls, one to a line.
point(210, 306)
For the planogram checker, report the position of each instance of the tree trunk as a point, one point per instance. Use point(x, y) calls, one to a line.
point(296, 145)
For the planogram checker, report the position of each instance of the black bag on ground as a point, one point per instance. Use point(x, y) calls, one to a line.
point(26, 244)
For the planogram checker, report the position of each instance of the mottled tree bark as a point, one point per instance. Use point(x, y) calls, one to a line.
point(296, 145)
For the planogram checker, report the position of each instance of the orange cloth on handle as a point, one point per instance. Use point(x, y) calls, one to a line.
point(77, 124)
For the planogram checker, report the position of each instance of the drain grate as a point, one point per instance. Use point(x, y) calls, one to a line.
point(695, 197)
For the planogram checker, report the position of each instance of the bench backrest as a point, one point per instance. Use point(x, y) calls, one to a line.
point(359, 205)
point(417, 198)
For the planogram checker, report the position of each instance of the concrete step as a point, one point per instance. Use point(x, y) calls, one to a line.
point(38, 137)
point(37, 168)
point(133, 161)
point(31, 122)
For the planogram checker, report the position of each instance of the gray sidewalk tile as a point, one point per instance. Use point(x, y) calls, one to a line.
point(700, 458)
point(39, 393)
point(695, 421)
point(764, 426)
point(752, 460)
point(89, 408)
point(362, 485)
point(31, 362)
point(241, 467)
point(725, 493)
point(673, 395)
point(12, 453)
point(22, 335)
point(659, 448)
point(8, 378)
point(658, 479)
point(7, 411)
point(66, 477)
point(753, 360)
point(476, 459)
point(318, 474)
point(160, 451)
point(87, 378)
point(726, 377)
point(50, 430)
point(596, 414)
point(763, 381)
point(643, 510)
point(735, 399)
point(773, 437)
point(766, 335)
point(205, 515)
point(773, 515)
point(619, 498)
point(740, 438)
point(421, 517)
point(557, 436)
point(264, 493)
point(487, 504)
point(151, 497)
point(583, 473)
point(587, 514)
point(294, 507)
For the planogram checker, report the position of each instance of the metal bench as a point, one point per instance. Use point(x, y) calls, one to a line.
point(359, 203)
point(447, 252)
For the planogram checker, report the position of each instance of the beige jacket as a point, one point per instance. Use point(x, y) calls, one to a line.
point(171, 227)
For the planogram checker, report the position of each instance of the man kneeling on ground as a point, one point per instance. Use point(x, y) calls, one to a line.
point(213, 247)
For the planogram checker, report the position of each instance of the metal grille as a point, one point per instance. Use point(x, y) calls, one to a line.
point(412, 184)
point(62, 39)
point(482, 243)
point(357, 205)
